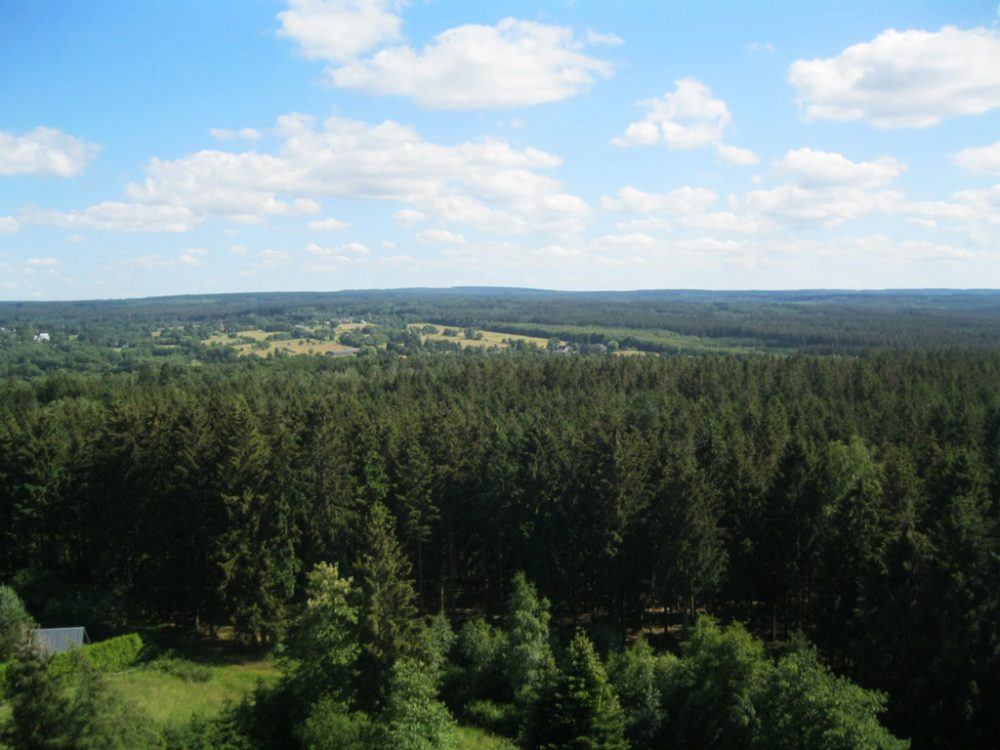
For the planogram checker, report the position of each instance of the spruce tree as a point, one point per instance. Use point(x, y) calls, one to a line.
point(579, 709)
point(388, 608)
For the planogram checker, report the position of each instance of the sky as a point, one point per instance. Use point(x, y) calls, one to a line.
point(183, 146)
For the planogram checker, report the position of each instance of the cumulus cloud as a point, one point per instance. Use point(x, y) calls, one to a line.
point(904, 79)
point(41, 263)
point(339, 30)
point(46, 151)
point(9, 225)
point(736, 156)
point(113, 216)
point(512, 64)
point(486, 183)
point(193, 256)
point(821, 169)
point(827, 189)
point(326, 225)
point(439, 237)
point(684, 200)
point(351, 248)
point(409, 217)
point(685, 118)
point(611, 40)
point(985, 159)
point(244, 134)
point(726, 221)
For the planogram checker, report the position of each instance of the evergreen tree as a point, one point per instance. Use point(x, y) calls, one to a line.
point(529, 661)
point(413, 717)
point(325, 639)
point(578, 709)
point(15, 623)
point(387, 607)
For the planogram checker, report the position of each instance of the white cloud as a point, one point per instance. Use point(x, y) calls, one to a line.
point(685, 118)
point(611, 40)
point(113, 216)
point(684, 200)
point(46, 151)
point(409, 217)
point(821, 169)
point(765, 47)
point(513, 64)
point(726, 221)
point(193, 256)
point(439, 237)
point(351, 248)
point(985, 159)
point(41, 263)
point(244, 134)
point(9, 225)
point(330, 224)
point(241, 187)
point(485, 183)
point(239, 250)
point(339, 30)
point(796, 205)
point(909, 79)
point(827, 189)
point(736, 156)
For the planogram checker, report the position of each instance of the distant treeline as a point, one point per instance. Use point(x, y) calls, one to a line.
point(116, 335)
point(854, 499)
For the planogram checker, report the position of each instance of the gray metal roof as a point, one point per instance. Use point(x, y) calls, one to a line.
point(58, 640)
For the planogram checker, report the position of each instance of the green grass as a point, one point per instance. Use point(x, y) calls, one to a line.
point(170, 699)
point(471, 738)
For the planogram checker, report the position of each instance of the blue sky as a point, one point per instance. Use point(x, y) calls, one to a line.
point(184, 147)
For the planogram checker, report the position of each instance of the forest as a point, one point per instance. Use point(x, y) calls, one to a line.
point(783, 532)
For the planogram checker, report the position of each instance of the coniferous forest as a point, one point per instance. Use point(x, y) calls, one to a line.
point(775, 525)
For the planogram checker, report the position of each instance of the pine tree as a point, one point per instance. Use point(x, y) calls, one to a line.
point(388, 605)
point(579, 709)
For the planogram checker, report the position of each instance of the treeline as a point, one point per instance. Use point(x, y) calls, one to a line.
point(362, 672)
point(854, 500)
point(821, 322)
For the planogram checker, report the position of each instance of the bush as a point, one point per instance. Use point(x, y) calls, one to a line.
point(182, 669)
point(498, 718)
point(113, 655)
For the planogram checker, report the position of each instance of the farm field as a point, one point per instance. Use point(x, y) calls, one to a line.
point(489, 338)
point(301, 345)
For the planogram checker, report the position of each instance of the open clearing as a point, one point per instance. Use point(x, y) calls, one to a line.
point(171, 699)
point(489, 338)
point(302, 344)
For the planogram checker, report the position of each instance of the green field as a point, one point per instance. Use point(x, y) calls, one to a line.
point(175, 698)
point(303, 344)
point(489, 338)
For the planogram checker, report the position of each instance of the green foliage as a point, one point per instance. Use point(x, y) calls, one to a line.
point(633, 675)
point(331, 726)
point(113, 655)
point(15, 622)
point(725, 692)
point(220, 733)
point(578, 709)
point(479, 659)
point(528, 662)
point(711, 702)
point(806, 707)
point(72, 711)
point(325, 640)
point(413, 717)
point(388, 611)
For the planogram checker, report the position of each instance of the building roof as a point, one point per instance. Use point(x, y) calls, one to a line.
point(58, 640)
